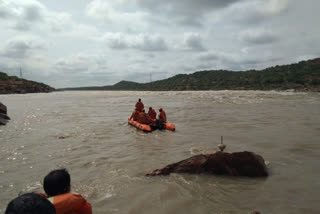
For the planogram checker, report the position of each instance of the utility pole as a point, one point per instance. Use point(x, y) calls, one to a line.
point(20, 73)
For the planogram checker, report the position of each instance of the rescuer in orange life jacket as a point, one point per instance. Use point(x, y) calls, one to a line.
point(162, 119)
point(57, 187)
point(152, 113)
point(162, 115)
point(144, 118)
point(139, 105)
point(134, 115)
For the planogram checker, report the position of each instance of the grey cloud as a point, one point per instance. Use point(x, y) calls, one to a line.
point(253, 12)
point(68, 67)
point(140, 42)
point(81, 63)
point(27, 12)
point(186, 6)
point(151, 44)
point(32, 13)
point(258, 37)
point(256, 60)
point(22, 26)
point(22, 16)
point(5, 11)
point(209, 57)
point(4, 14)
point(194, 42)
point(21, 48)
point(217, 56)
point(187, 12)
point(118, 44)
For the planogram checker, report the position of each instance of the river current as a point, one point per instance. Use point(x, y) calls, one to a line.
point(87, 133)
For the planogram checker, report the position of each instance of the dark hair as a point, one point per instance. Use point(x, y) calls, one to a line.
point(30, 203)
point(57, 182)
point(139, 100)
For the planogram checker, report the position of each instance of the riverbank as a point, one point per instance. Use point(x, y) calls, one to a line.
point(15, 85)
point(302, 76)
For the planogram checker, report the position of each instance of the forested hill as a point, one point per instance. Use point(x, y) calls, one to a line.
point(304, 75)
point(15, 85)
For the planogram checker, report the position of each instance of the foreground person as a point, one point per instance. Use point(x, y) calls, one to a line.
point(30, 203)
point(57, 187)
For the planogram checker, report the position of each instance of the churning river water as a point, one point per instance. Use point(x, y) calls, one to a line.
point(87, 133)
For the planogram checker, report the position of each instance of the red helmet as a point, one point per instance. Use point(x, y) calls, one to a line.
point(160, 109)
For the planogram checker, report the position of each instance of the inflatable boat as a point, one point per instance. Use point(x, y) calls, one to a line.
point(147, 128)
point(143, 127)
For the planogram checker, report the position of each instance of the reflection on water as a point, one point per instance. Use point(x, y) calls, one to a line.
point(87, 132)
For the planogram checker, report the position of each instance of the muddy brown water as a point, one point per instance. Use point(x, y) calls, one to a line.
point(87, 133)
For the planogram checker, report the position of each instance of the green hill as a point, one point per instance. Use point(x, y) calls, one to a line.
point(304, 75)
point(16, 85)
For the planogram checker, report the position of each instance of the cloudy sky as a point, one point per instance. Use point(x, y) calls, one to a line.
point(69, 43)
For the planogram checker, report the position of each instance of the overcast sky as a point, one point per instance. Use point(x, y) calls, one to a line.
point(69, 43)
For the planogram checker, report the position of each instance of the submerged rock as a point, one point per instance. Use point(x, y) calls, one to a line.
point(3, 115)
point(219, 163)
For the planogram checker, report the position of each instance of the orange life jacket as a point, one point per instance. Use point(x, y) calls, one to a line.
point(152, 114)
point(143, 118)
point(139, 106)
point(134, 115)
point(163, 116)
point(70, 203)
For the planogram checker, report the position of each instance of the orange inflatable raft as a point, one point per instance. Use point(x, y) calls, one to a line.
point(147, 128)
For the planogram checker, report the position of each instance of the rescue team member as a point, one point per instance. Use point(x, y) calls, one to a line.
point(30, 203)
point(139, 105)
point(152, 113)
point(162, 115)
point(144, 118)
point(57, 187)
point(162, 119)
point(134, 115)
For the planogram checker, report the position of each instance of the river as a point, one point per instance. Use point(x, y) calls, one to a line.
point(87, 133)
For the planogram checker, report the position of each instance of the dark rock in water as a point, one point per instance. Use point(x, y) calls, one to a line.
point(3, 108)
point(219, 163)
point(3, 115)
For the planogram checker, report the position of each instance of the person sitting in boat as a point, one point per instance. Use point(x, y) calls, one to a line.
point(30, 203)
point(139, 105)
point(57, 187)
point(162, 115)
point(134, 115)
point(162, 119)
point(144, 118)
point(152, 113)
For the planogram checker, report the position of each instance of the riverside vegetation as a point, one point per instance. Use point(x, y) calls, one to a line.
point(302, 76)
point(16, 85)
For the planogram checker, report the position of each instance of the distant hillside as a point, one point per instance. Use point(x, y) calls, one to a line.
point(15, 85)
point(304, 75)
